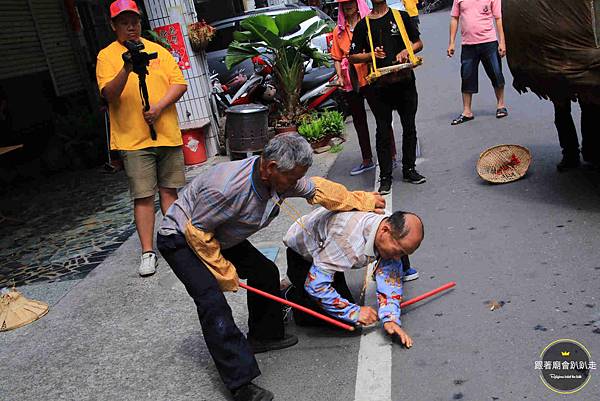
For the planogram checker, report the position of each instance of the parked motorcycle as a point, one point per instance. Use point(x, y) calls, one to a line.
point(320, 90)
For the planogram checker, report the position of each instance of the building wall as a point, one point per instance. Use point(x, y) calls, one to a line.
point(194, 108)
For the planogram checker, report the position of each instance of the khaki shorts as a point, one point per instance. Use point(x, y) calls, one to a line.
point(151, 168)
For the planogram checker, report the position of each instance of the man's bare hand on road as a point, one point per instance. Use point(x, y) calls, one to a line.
point(393, 329)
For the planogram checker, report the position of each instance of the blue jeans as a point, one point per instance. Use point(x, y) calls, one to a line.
point(470, 56)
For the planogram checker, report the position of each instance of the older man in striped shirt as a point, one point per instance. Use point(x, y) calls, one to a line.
point(324, 244)
point(204, 235)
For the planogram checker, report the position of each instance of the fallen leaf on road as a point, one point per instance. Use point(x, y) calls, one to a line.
point(493, 304)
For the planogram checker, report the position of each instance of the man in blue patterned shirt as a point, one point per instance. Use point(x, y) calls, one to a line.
point(324, 244)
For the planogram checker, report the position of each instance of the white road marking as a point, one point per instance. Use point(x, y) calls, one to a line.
point(374, 371)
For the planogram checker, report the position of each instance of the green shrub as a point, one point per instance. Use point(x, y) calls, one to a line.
point(332, 123)
point(312, 130)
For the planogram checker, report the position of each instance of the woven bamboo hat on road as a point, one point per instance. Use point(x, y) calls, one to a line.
point(503, 163)
point(17, 311)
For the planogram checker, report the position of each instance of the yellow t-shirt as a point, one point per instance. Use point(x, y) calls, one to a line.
point(411, 7)
point(128, 129)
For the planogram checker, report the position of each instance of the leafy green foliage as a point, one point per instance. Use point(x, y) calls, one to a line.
point(312, 131)
point(265, 34)
point(336, 148)
point(329, 123)
point(332, 122)
point(156, 38)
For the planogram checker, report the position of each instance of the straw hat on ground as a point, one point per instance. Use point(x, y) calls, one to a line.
point(17, 311)
point(503, 163)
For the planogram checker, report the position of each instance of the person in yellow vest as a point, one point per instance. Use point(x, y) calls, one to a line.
point(151, 165)
point(413, 12)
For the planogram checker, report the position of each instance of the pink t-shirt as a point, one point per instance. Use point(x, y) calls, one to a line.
point(477, 20)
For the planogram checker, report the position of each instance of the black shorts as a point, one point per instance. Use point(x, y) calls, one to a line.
point(470, 56)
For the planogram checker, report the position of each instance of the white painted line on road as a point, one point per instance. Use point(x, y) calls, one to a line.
point(374, 371)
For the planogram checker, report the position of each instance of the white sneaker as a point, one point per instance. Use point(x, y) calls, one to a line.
point(148, 264)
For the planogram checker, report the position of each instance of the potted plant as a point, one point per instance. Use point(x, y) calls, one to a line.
point(269, 36)
point(312, 131)
point(319, 130)
point(332, 123)
point(200, 34)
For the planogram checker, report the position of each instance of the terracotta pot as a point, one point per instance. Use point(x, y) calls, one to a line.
point(321, 142)
point(286, 130)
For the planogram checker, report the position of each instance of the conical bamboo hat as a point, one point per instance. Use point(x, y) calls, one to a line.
point(17, 311)
point(503, 163)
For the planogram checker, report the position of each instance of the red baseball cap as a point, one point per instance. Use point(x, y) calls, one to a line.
point(120, 6)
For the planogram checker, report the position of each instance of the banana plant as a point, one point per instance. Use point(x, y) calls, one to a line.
point(266, 35)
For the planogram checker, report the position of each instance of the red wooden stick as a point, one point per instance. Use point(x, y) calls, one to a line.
point(299, 307)
point(333, 321)
point(428, 294)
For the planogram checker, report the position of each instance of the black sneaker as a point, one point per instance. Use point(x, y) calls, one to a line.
point(568, 163)
point(259, 346)
point(385, 186)
point(413, 176)
point(251, 392)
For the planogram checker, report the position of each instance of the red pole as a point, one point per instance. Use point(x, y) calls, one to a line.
point(333, 321)
point(299, 307)
point(428, 294)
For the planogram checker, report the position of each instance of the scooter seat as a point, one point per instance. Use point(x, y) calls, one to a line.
point(316, 77)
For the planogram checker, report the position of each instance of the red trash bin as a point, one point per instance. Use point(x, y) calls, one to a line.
point(194, 147)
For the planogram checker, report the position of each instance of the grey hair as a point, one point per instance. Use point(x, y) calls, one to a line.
point(398, 223)
point(288, 151)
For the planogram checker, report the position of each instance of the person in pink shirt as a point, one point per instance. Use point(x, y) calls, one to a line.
point(480, 42)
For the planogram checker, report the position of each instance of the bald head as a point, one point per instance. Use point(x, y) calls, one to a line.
point(400, 234)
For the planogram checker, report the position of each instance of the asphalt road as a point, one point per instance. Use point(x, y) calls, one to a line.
point(533, 244)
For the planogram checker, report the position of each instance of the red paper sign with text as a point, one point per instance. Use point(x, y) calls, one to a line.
point(172, 34)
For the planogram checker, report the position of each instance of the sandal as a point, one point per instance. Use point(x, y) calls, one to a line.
point(461, 119)
point(501, 112)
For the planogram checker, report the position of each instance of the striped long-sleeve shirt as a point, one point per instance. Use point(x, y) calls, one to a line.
point(222, 207)
point(230, 201)
point(340, 241)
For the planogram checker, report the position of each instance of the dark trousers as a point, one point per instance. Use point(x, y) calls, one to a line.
point(356, 103)
point(383, 100)
point(227, 345)
point(297, 271)
point(567, 133)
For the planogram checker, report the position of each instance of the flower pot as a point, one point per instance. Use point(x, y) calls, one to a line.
point(200, 34)
point(199, 45)
point(286, 130)
point(321, 142)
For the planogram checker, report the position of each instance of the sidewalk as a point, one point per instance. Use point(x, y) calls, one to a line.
point(114, 335)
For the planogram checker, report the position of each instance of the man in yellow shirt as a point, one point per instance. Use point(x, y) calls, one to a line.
point(151, 165)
